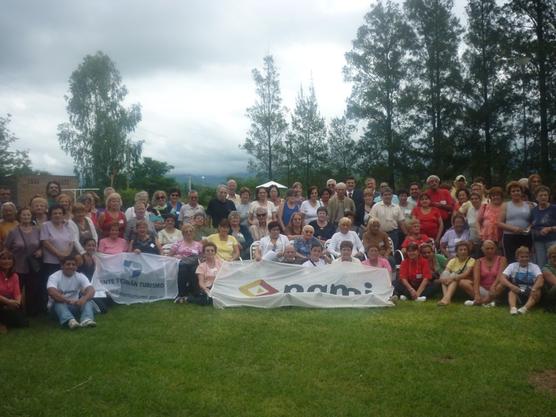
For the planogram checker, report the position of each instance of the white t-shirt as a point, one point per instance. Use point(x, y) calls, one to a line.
point(69, 286)
point(187, 212)
point(353, 259)
point(522, 275)
point(309, 211)
point(339, 237)
point(270, 209)
point(309, 264)
point(269, 251)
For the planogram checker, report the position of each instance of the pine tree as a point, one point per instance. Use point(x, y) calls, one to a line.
point(533, 30)
point(377, 65)
point(268, 123)
point(308, 136)
point(341, 146)
point(435, 83)
point(487, 92)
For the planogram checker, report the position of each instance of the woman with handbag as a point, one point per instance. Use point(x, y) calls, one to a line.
point(24, 242)
point(458, 268)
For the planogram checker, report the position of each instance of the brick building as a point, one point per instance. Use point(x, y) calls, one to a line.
point(25, 187)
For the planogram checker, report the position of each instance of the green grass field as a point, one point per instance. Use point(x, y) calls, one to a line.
point(180, 360)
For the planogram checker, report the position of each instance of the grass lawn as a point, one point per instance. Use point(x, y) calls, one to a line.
point(182, 360)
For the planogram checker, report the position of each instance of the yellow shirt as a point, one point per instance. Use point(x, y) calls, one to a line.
point(5, 228)
point(455, 265)
point(225, 248)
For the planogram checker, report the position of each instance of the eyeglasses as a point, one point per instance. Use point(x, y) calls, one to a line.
point(160, 197)
point(261, 215)
point(174, 195)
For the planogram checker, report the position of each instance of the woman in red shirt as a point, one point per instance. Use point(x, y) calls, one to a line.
point(429, 217)
point(415, 277)
point(11, 312)
point(414, 234)
point(112, 214)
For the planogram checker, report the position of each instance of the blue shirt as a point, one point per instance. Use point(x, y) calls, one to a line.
point(543, 218)
point(303, 246)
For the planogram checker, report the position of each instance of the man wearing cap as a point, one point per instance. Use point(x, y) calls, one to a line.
point(441, 199)
point(459, 184)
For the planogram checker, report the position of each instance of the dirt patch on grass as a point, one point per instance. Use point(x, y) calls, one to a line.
point(445, 359)
point(544, 381)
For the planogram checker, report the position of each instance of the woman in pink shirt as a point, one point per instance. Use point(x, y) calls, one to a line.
point(113, 244)
point(488, 215)
point(206, 274)
point(375, 260)
point(486, 287)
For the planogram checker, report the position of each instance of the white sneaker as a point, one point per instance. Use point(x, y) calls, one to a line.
point(73, 324)
point(403, 297)
point(421, 299)
point(469, 303)
point(522, 310)
point(513, 311)
point(88, 323)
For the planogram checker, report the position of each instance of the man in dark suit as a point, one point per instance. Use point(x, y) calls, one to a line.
point(356, 194)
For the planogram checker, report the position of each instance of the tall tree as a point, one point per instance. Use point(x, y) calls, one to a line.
point(12, 162)
point(436, 82)
point(341, 146)
point(377, 66)
point(97, 135)
point(268, 122)
point(533, 25)
point(486, 90)
point(308, 136)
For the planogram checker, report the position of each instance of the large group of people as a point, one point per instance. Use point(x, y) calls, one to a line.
point(434, 239)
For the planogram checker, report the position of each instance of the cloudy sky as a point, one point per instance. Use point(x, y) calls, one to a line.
point(188, 63)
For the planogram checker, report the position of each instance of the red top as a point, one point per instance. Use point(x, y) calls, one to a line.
point(429, 221)
point(105, 221)
point(9, 287)
point(420, 240)
point(440, 195)
point(415, 270)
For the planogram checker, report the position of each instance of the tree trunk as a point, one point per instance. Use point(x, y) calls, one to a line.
point(543, 105)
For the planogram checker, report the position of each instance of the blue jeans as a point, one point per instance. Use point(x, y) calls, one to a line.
point(540, 251)
point(66, 312)
point(395, 236)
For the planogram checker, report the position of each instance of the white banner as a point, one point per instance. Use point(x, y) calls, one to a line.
point(130, 278)
point(269, 284)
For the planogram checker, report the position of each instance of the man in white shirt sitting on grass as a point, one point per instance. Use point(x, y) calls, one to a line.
point(70, 294)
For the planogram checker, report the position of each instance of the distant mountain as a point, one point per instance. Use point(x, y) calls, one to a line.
point(207, 180)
